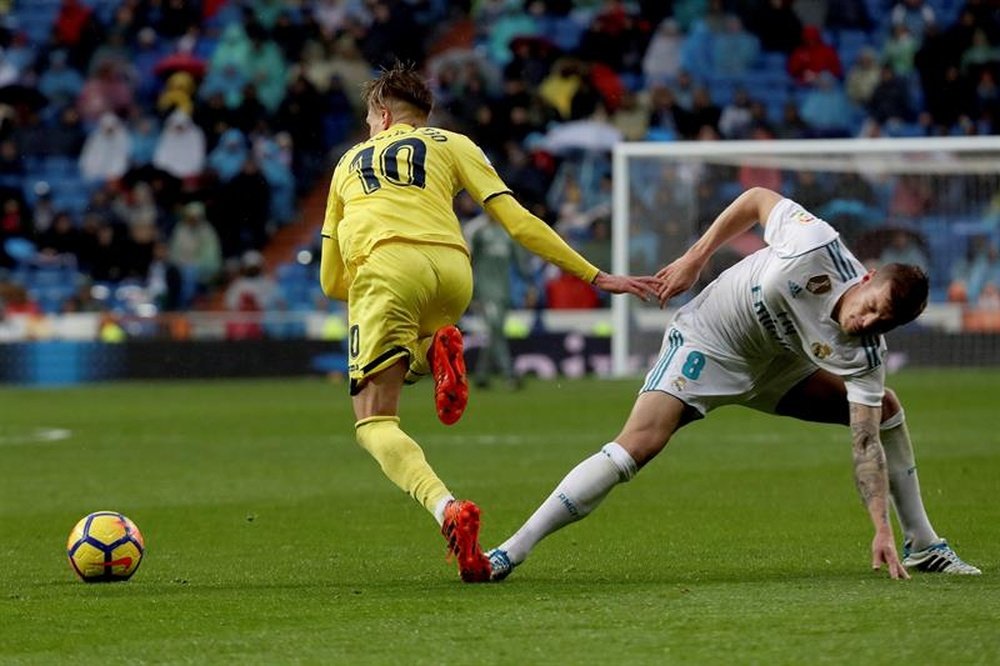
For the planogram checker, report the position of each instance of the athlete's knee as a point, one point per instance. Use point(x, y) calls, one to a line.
point(892, 410)
point(642, 443)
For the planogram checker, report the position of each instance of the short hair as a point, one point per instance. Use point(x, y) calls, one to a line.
point(400, 83)
point(908, 287)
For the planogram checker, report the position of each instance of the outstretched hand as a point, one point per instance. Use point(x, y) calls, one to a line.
point(644, 287)
point(884, 552)
point(677, 277)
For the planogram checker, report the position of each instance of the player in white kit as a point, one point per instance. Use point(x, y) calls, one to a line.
point(794, 329)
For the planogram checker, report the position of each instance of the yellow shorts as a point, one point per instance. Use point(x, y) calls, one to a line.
point(401, 294)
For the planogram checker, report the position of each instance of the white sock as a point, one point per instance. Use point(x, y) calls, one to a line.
point(577, 495)
point(440, 507)
point(903, 483)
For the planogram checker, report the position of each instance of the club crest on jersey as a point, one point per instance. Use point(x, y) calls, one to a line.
point(819, 284)
point(679, 383)
point(821, 350)
point(794, 289)
point(802, 217)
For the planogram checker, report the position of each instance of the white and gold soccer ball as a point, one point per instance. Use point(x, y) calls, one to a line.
point(105, 546)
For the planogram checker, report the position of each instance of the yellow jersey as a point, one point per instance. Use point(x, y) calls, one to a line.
point(399, 186)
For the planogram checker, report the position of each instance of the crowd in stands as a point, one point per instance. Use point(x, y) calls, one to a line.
point(161, 143)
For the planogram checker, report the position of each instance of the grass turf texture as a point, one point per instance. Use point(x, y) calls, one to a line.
point(272, 538)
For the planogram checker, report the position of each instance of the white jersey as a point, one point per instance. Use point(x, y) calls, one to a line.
point(779, 300)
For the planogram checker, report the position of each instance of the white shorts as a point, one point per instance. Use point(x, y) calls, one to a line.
point(704, 382)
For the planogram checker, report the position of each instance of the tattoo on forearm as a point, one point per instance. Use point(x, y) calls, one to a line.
point(869, 460)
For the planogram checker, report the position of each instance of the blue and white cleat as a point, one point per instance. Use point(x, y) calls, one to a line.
point(500, 564)
point(935, 558)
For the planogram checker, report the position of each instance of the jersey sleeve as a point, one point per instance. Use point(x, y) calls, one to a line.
point(475, 173)
point(791, 230)
point(334, 207)
point(866, 388)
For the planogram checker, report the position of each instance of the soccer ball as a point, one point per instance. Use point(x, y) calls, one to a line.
point(105, 546)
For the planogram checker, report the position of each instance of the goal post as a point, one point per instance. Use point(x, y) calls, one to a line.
point(927, 198)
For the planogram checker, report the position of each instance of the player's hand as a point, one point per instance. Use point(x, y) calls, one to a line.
point(884, 552)
point(677, 277)
point(644, 287)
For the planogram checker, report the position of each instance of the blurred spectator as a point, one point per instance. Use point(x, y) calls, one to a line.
point(280, 181)
point(792, 126)
point(976, 277)
point(662, 60)
point(164, 282)
point(890, 101)
point(242, 211)
point(568, 292)
point(848, 15)
point(254, 287)
point(808, 190)
point(494, 256)
point(826, 109)
point(180, 150)
point(988, 101)
point(863, 76)
point(44, 212)
point(777, 26)
point(911, 197)
point(265, 68)
point(195, 251)
point(138, 205)
point(177, 95)
point(981, 55)
point(760, 176)
point(952, 100)
point(631, 117)
point(60, 83)
point(145, 135)
point(141, 242)
point(914, 15)
point(813, 56)
point(16, 300)
point(61, 238)
point(903, 249)
point(561, 85)
point(12, 225)
point(390, 36)
point(734, 50)
point(704, 112)
point(227, 159)
point(736, 120)
point(105, 154)
point(107, 89)
point(109, 254)
point(900, 49)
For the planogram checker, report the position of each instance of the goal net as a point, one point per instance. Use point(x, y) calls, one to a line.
point(933, 201)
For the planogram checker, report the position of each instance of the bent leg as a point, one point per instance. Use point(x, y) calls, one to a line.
point(822, 398)
point(402, 460)
point(653, 420)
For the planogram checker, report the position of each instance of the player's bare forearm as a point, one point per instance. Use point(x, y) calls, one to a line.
point(749, 208)
point(643, 287)
point(869, 463)
point(872, 482)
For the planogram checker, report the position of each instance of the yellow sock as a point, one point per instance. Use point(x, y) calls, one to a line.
point(401, 459)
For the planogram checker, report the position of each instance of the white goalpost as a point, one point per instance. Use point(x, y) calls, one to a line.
point(936, 198)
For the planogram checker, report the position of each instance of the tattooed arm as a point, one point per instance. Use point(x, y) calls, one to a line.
point(873, 485)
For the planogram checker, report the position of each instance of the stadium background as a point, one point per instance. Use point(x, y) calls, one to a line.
point(163, 163)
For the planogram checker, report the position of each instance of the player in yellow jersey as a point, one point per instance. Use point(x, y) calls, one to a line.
point(393, 249)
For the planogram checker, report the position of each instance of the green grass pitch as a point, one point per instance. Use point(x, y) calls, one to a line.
point(272, 538)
